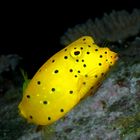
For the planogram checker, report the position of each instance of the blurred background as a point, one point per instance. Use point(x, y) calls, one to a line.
point(33, 31)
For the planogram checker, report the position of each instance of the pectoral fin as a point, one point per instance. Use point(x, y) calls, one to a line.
point(87, 83)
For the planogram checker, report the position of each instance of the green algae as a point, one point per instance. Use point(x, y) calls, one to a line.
point(129, 125)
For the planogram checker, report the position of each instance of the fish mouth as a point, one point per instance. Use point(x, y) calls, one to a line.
point(113, 59)
point(116, 57)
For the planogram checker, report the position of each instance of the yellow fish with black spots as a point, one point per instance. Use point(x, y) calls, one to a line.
point(67, 77)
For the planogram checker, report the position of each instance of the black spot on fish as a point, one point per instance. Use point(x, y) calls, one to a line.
point(100, 64)
point(84, 39)
point(84, 65)
point(28, 96)
point(71, 91)
point(56, 71)
point(86, 75)
point(65, 57)
point(75, 76)
point(76, 52)
point(96, 49)
point(53, 61)
point(102, 74)
point(88, 52)
point(77, 60)
point(31, 117)
point(53, 89)
point(105, 52)
point(62, 110)
point(82, 60)
point(65, 50)
point(96, 76)
point(38, 82)
point(45, 102)
point(71, 70)
point(89, 46)
point(92, 87)
point(81, 48)
point(78, 71)
point(101, 56)
point(84, 83)
point(49, 118)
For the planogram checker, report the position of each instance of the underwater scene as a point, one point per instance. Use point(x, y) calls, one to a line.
point(87, 89)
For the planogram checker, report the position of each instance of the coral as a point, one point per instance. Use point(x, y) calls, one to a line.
point(116, 26)
point(8, 74)
point(9, 62)
point(129, 125)
point(131, 53)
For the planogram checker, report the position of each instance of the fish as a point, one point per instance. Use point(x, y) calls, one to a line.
point(66, 78)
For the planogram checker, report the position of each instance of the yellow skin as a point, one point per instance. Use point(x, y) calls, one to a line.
point(67, 77)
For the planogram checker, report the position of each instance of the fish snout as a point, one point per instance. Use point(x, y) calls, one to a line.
point(114, 58)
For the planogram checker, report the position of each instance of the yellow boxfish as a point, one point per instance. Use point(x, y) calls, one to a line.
point(67, 77)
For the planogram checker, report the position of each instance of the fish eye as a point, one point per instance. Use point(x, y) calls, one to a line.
point(75, 53)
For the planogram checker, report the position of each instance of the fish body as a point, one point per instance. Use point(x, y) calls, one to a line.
point(67, 77)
